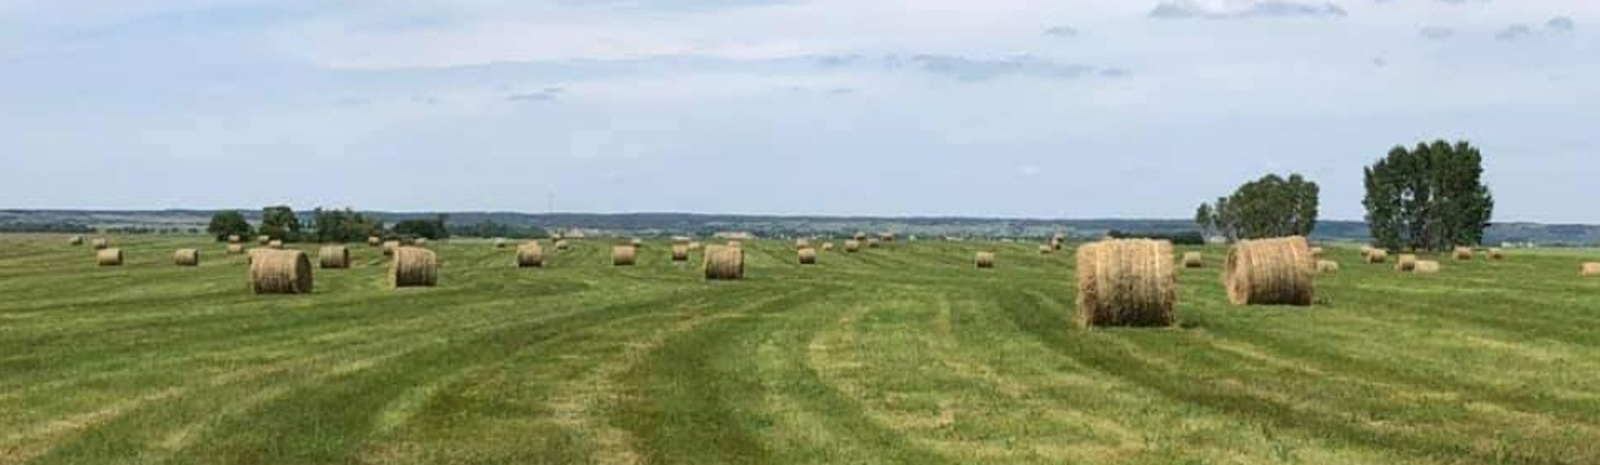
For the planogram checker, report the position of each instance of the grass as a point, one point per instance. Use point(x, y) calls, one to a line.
point(898, 355)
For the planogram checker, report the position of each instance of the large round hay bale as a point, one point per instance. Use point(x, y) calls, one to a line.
point(1046, 249)
point(334, 257)
point(1193, 260)
point(374, 241)
point(1366, 249)
point(100, 243)
point(1497, 254)
point(801, 244)
point(874, 243)
point(680, 252)
point(562, 244)
point(1406, 262)
point(275, 244)
point(186, 257)
point(235, 249)
point(1462, 253)
point(623, 255)
point(1589, 269)
point(827, 246)
point(808, 256)
point(983, 260)
point(108, 257)
point(75, 240)
point(724, 263)
point(1376, 256)
point(389, 247)
point(1426, 267)
point(414, 267)
point(500, 243)
point(280, 272)
point(530, 255)
point(263, 240)
point(1126, 282)
point(1327, 266)
point(1271, 272)
point(852, 246)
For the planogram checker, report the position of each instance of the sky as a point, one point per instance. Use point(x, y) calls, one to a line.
point(993, 108)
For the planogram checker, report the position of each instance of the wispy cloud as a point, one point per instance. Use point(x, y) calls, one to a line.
point(978, 69)
point(1061, 31)
point(1514, 32)
point(1436, 33)
point(543, 95)
point(1561, 24)
point(1194, 9)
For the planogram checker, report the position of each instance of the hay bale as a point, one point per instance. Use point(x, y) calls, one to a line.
point(1497, 254)
point(235, 249)
point(334, 257)
point(734, 244)
point(263, 240)
point(275, 244)
point(1426, 267)
point(1055, 243)
point(827, 246)
point(983, 260)
point(801, 244)
point(186, 257)
point(1589, 269)
point(1463, 253)
point(724, 263)
point(421, 241)
point(1271, 272)
point(100, 243)
point(280, 272)
point(623, 255)
point(696, 245)
point(389, 247)
point(874, 243)
point(1366, 249)
point(562, 244)
point(1316, 251)
point(530, 255)
point(414, 267)
point(234, 239)
point(108, 257)
point(1193, 260)
point(374, 241)
point(1406, 262)
point(500, 243)
point(1126, 282)
point(75, 240)
point(859, 236)
point(808, 256)
point(1327, 266)
point(680, 252)
point(636, 242)
point(886, 236)
point(852, 246)
point(1376, 256)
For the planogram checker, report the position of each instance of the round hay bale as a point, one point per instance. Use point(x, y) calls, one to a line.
point(1126, 282)
point(1406, 262)
point(263, 240)
point(859, 236)
point(334, 257)
point(562, 244)
point(983, 260)
point(886, 236)
point(1046, 249)
point(75, 240)
point(421, 241)
point(186, 257)
point(827, 246)
point(1376, 256)
point(852, 246)
point(389, 247)
point(874, 243)
point(1589, 269)
point(734, 244)
point(1316, 251)
point(108, 257)
point(808, 256)
point(234, 239)
point(801, 244)
point(696, 245)
point(1327, 266)
point(374, 241)
point(1193, 260)
point(1366, 249)
point(280, 272)
point(636, 242)
point(1271, 272)
point(530, 255)
point(623, 255)
point(1497, 254)
point(100, 243)
point(275, 244)
point(1055, 243)
point(235, 249)
point(1463, 253)
point(724, 263)
point(680, 252)
point(414, 267)
point(1426, 267)
point(500, 243)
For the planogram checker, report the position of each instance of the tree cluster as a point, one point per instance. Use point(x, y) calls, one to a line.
point(431, 229)
point(339, 226)
point(1268, 207)
point(1431, 197)
point(228, 223)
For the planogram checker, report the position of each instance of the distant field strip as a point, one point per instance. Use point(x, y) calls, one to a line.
point(900, 355)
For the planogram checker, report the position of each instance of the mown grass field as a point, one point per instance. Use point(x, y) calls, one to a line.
point(903, 355)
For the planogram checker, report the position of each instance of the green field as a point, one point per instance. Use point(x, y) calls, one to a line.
point(903, 355)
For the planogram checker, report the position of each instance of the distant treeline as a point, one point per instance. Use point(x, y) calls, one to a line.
point(75, 228)
point(1179, 238)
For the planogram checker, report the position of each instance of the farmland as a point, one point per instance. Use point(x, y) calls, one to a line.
point(906, 354)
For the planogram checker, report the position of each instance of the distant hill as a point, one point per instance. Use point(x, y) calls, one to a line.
point(662, 224)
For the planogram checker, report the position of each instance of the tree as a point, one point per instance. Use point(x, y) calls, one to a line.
point(344, 225)
point(228, 223)
point(1428, 198)
point(1204, 218)
point(280, 222)
point(432, 229)
point(1268, 207)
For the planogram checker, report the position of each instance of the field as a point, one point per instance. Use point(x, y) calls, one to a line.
point(901, 355)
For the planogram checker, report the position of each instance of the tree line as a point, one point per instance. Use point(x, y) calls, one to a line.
point(347, 225)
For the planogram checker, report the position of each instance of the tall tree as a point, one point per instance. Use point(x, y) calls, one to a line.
point(1268, 207)
point(1431, 197)
point(228, 223)
point(280, 222)
point(1204, 218)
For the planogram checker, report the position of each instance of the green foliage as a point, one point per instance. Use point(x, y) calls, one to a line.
point(1204, 218)
point(228, 223)
point(1179, 238)
point(337, 226)
point(281, 223)
point(1428, 198)
point(489, 228)
point(1268, 207)
point(431, 229)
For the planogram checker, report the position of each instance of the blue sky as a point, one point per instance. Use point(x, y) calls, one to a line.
point(1041, 108)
